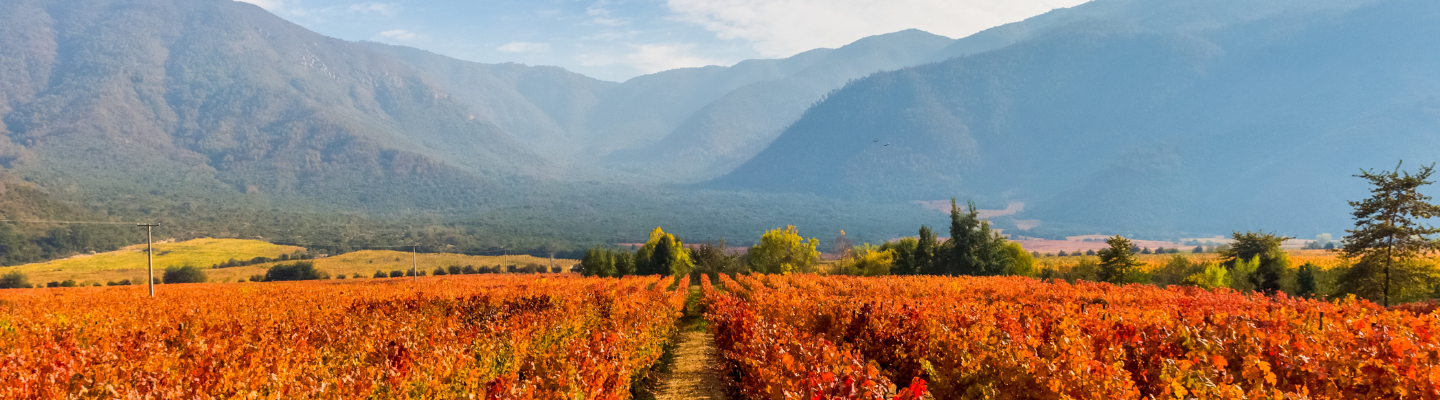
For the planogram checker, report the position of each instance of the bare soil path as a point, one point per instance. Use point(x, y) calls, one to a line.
point(694, 374)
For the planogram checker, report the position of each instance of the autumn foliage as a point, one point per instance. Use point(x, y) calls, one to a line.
point(805, 336)
point(494, 337)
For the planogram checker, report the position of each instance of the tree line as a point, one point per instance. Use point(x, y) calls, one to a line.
point(1387, 253)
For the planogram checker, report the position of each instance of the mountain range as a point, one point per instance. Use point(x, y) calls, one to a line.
point(1142, 117)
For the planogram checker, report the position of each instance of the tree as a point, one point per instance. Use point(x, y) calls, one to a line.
point(866, 260)
point(711, 258)
point(598, 262)
point(783, 251)
point(1117, 260)
point(1305, 280)
point(974, 248)
point(300, 271)
point(14, 280)
point(927, 251)
point(905, 250)
point(842, 245)
point(185, 274)
point(1021, 263)
point(663, 254)
point(1263, 249)
point(1389, 234)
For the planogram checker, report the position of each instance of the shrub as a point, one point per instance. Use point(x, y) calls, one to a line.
point(380, 274)
point(470, 269)
point(454, 270)
point(257, 278)
point(342, 276)
point(440, 271)
point(396, 274)
point(14, 280)
point(68, 283)
point(300, 271)
point(185, 274)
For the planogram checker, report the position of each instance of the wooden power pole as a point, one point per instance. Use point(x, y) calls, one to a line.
point(414, 270)
point(150, 256)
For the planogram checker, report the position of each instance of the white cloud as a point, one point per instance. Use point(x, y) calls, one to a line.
point(269, 5)
point(651, 58)
point(400, 34)
point(384, 9)
point(780, 28)
point(524, 47)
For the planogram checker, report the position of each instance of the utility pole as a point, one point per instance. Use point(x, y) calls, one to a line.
point(150, 255)
point(414, 270)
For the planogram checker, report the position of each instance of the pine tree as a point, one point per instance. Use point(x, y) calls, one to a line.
point(663, 257)
point(1305, 280)
point(1388, 233)
point(964, 240)
point(926, 250)
point(1116, 260)
point(974, 248)
point(1263, 248)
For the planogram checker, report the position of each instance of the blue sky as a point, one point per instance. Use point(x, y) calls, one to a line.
point(619, 39)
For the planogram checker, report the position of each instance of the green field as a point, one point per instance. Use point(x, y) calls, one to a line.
point(129, 262)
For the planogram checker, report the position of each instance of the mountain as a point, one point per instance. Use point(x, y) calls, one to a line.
point(1123, 127)
point(222, 100)
point(544, 108)
point(734, 127)
point(217, 118)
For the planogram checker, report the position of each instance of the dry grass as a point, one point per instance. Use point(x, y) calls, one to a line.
point(129, 262)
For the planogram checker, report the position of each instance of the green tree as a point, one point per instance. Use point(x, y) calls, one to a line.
point(1021, 262)
point(624, 262)
point(905, 256)
point(783, 251)
point(1305, 280)
point(663, 254)
point(866, 260)
point(927, 253)
point(300, 271)
point(14, 280)
point(185, 274)
point(1264, 250)
point(1389, 235)
point(1117, 260)
point(974, 249)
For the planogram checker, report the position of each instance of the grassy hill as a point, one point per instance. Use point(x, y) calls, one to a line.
point(129, 262)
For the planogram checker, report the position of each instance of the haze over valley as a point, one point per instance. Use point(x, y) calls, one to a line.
point(1149, 118)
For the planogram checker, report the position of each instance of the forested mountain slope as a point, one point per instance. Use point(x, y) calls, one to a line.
point(1105, 125)
point(221, 100)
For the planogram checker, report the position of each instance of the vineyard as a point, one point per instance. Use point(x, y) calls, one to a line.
point(778, 336)
point(475, 336)
point(785, 337)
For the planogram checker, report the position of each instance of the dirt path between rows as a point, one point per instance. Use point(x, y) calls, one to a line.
point(693, 375)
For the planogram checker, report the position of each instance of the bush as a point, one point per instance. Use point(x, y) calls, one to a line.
point(68, 283)
point(14, 280)
point(257, 278)
point(470, 269)
point(454, 270)
point(185, 274)
point(342, 276)
point(381, 274)
point(300, 271)
point(396, 274)
point(440, 271)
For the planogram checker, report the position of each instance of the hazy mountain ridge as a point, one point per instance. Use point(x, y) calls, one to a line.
point(1254, 125)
